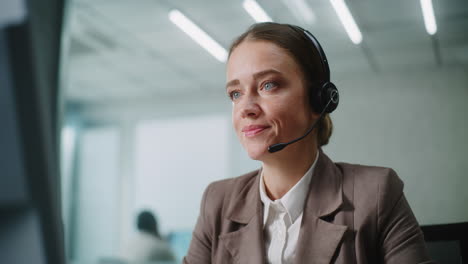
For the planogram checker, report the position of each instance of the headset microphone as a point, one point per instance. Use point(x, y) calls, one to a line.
point(279, 146)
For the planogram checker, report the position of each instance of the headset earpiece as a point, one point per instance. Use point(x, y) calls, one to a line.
point(326, 96)
point(329, 97)
point(326, 99)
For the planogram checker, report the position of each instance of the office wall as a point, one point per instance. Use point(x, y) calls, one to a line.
point(97, 205)
point(175, 160)
point(416, 123)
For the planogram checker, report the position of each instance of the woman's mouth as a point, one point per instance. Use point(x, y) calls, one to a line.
point(253, 130)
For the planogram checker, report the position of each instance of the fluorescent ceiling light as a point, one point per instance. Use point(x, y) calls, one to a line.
point(301, 10)
point(429, 18)
point(347, 20)
point(256, 11)
point(197, 34)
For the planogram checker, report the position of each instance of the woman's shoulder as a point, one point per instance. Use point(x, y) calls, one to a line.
point(220, 193)
point(382, 183)
point(382, 176)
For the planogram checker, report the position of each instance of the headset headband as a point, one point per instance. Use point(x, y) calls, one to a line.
point(318, 47)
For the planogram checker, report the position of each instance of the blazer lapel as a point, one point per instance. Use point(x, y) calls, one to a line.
point(246, 244)
point(319, 239)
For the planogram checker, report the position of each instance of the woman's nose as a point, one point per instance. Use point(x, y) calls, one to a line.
point(250, 108)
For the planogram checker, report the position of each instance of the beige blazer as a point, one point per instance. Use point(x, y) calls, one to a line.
point(352, 214)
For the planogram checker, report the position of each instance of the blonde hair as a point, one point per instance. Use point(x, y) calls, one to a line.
point(324, 130)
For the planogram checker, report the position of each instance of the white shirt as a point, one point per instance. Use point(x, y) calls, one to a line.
point(282, 219)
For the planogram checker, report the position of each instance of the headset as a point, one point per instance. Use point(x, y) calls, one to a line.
point(326, 97)
point(323, 100)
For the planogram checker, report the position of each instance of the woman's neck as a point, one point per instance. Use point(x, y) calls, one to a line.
point(283, 170)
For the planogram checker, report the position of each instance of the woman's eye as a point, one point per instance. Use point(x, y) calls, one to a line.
point(234, 95)
point(268, 86)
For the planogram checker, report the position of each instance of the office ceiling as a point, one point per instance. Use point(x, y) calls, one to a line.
point(128, 51)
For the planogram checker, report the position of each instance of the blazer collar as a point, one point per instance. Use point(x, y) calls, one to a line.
point(319, 238)
point(246, 203)
point(326, 188)
point(246, 245)
point(325, 194)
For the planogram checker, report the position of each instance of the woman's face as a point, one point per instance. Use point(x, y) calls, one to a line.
point(269, 98)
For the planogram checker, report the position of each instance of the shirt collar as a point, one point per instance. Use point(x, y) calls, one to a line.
point(293, 201)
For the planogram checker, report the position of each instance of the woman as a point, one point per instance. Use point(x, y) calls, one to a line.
point(300, 207)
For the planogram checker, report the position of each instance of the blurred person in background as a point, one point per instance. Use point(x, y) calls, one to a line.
point(147, 245)
point(300, 207)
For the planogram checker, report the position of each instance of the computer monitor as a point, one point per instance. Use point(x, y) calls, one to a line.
point(30, 216)
point(447, 243)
